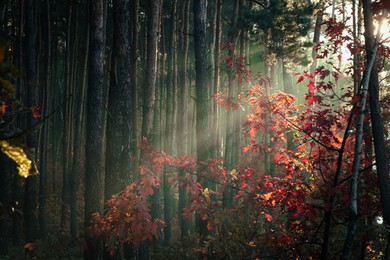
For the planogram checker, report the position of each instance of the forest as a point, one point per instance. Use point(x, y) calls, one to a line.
point(194, 129)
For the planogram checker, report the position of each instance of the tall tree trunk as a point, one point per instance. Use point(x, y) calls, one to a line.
point(45, 96)
point(216, 88)
point(66, 123)
point(79, 115)
point(5, 203)
point(377, 121)
point(230, 151)
point(153, 9)
point(182, 117)
point(202, 97)
point(30, 203)
point(134, 39)
point(170, 128)
point(153, 25)
point(95, 123)
point(353, 194)
point(119, 126)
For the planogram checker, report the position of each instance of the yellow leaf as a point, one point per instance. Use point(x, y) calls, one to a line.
point(19, 156)
point(206, 192)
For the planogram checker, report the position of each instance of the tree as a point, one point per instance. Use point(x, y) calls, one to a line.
point(153, 12)
point(353, 194)
point(202, 128)
point(171, 110)
point(182, 129)
point(119, 126)
point(376, 120)
point(30, 203)
point(95, 122)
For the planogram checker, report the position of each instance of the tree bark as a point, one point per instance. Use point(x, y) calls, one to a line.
point(30, 203)
point(202, 127)
point(377, 122)
point(119, 125)
point(353, 193)
point(153, 25)
point(95, 123)
point(170, 127)
point(182, 117)
point(230, 151)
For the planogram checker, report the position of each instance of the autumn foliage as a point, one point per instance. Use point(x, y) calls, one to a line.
point(282, 213)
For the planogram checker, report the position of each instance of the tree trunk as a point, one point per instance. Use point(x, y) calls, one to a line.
point(170, 127)
point(377, 121)
point(45, 97)
point(153, 25)
point(316, 39)
point(78, 132)
point(66, 123)
point(216, 88)
point(5, 203)
point(182, 117)
point(119, 126)
point(134, 38)
point(95, 123)
point(202, 97)
point(30, 203)
point(230, 151)
point(353, 194)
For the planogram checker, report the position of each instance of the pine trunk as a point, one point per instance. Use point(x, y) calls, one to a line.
point(95, 123)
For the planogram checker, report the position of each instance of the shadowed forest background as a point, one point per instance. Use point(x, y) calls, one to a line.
point(194, 129)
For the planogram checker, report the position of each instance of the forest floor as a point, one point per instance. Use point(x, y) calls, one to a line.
point(58, 243)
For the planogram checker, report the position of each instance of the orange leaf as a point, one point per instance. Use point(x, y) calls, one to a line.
point(267, 196)
point(142, 170)
point(209, 226)
point(258, 109)
point(3, 107)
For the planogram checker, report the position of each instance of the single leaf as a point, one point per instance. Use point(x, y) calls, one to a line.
point(300, 79)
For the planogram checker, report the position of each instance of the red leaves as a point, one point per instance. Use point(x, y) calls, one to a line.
point(310, 86)
point(36, 111)
point(142, 170)
point(209, 225)
point(300, 79)
point(268, 217)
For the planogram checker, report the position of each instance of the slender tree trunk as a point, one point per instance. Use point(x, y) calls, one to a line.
point(95, 123)
point(202, 97)
point(230, 151)
point(78, 132)
point(17, 194)
point(216, 87)
point(66, 126)
point(153, 25)
point(45, 96)
point(377, 121)
point(353, 194)
point(182, 117)
point(119, 126)
point(134, 39)
point(5, 204)
point(170, 128)
point(316, 39)
point(30, 203)
point(153, 9)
